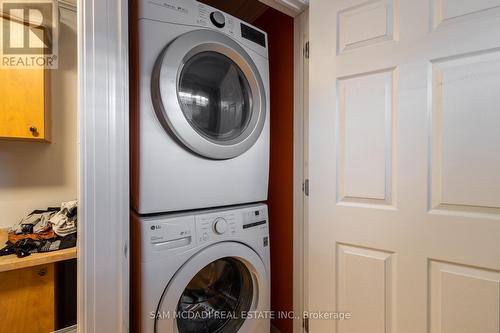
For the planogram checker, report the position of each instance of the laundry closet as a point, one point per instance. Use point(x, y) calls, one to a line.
point(212, 148)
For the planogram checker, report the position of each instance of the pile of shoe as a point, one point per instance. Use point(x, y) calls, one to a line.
point(43, 231)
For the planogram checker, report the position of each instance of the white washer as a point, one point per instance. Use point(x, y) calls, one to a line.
point(200, 133)
point(202, 273)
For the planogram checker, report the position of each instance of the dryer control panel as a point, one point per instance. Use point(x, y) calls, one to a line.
point(194, 13)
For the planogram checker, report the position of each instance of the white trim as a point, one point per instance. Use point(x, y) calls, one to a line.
point(290, 7)
point(103, 267)
point(301, 23)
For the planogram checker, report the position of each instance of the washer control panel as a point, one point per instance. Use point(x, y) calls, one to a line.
point(256, 218)
point(171, 234)
point(214, 226)
point(178, 233)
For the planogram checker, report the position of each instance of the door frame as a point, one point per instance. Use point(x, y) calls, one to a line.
point(103, 139)
point(300, 170)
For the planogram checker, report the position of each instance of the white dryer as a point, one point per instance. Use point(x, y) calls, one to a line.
point(200, 128)
point(202, 273)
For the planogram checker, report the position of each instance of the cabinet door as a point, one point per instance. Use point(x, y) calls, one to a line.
point(27, 300)
point(23, 104)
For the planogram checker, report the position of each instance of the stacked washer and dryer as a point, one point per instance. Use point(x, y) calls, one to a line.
point(200, 164)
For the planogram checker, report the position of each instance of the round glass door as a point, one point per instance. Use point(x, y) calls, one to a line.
point(207, 92)
point(216, 298)
point(215, 96)
point(214, 290)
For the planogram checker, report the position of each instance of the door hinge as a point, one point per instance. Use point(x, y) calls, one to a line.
point(306, 50)
point(305, 186)
point(306, 324)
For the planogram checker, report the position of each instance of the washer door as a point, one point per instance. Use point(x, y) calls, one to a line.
point(215, 291)
point(207, 91)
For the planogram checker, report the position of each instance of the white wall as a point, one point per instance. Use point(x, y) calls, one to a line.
point(37, 175)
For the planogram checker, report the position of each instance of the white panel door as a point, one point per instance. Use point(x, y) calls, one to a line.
point(404, 166)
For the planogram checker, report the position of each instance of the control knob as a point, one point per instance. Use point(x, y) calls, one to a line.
point(218, 19)
point(220, 225)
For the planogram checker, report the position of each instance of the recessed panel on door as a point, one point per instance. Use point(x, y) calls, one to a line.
point(366, 110)
point(465, 132)
point(449, 11)
point(463, 299)
point(366, 23)
point(365, 289)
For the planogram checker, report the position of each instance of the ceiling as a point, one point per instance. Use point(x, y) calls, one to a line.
point(247, 10)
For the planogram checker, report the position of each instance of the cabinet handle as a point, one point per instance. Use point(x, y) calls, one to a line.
point(33, 130)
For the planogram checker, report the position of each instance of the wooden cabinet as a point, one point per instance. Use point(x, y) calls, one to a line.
point(36, 294)
point(24, 104)
point(27, 300)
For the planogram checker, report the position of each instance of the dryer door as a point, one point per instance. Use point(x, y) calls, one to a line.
point(208, 92)
point(224, 289)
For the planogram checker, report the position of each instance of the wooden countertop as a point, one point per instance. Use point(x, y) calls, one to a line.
point(11, 262)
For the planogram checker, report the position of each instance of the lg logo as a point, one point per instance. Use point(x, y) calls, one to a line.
point(29, 33)
point(155, 227)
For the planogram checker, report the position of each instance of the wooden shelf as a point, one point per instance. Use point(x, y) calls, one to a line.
point(11, 262)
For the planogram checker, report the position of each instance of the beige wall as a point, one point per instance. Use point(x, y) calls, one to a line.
point(37, 175)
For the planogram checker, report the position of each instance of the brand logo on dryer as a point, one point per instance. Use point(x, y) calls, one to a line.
point(155, 227)
point(171, 5)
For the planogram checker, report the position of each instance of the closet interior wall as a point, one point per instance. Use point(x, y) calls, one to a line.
point(280, 32)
